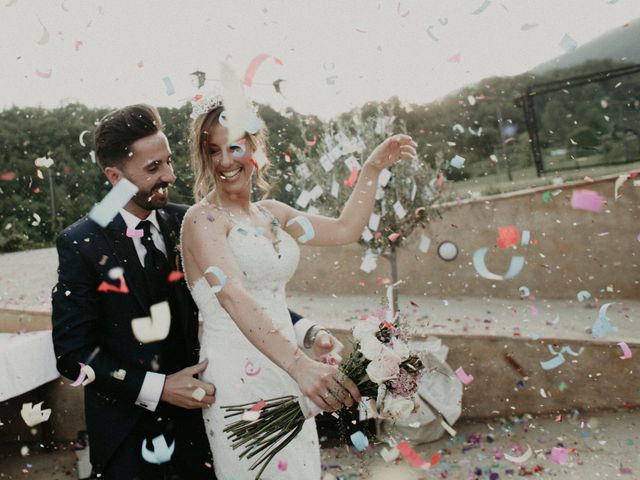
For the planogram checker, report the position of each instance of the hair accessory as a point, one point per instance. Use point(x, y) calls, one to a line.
point(205, 104)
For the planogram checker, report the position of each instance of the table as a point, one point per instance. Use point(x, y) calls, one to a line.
point(27, 361)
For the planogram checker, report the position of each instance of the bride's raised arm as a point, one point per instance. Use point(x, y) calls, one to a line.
point(207, 253)
point(347, 228)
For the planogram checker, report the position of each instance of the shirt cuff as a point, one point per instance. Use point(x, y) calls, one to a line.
point(151, 391)
point(301, 328)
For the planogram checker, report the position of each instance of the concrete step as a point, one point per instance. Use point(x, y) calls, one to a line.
point(503, 342)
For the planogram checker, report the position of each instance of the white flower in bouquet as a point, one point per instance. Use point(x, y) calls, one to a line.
point(384, 367)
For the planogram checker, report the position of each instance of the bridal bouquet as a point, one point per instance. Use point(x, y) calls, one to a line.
point(386, 372)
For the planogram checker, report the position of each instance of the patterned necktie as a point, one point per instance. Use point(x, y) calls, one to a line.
point(156, 266)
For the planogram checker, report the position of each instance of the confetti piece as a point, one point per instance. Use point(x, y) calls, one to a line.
point(553, 363)
point(399, 210)
point(236, 113)
point(308, 233)
point(81, 376)
point(253, 66)
point(424, 244)
point(168, 86)
point(120, 194)
point(374, 221)
point(528, 26)
point(175, 275)
point(369, 262)
point(259, 158)
point(522, 458)
point(161, 451)
point(547, 196)
point(413, 457)
point(351, 181)
point(33, 414)
point(79, 43)
point(81, 137)
point(44, 74)
point(559, 455)
point(457, 162)
point(44, 38)
point(568, 44)
point(389, 455)
point(583, 295)
point(198, 394)
point(119, 374)
point(602, 326)
point(153, 328)
point(134, 233)
point(515, 267)
point(524, 292)
point(282, 465)
point(481, 8)
point(107, 287)
point(447, 251)
point(587, 200)
point(7, 176)
point(448, 428)
point(525, 237)
point(43, 162)
point(464, 377)
point(626, 351)
point(359, 440)
point(508, 236)
point(454, 58)
point(393, 237)
point(431, 35)
point(220, 275)
point(250, 370)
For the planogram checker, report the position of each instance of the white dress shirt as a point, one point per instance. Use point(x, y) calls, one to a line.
point(153, 383)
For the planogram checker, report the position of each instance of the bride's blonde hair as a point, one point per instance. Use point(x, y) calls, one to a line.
point(204, 175)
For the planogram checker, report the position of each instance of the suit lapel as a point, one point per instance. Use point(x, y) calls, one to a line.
point(128, 258)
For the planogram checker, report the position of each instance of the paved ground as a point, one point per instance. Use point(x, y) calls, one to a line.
point(600, 446)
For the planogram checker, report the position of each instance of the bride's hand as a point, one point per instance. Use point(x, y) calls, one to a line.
point(394, 148)
point(324, 384)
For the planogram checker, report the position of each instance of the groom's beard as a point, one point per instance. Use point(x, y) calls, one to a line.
point(152, 199)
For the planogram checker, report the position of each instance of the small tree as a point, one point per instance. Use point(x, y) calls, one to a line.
point(326, 174)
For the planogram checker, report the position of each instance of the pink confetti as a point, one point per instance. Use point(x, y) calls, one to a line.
point(464, 378)
point(44, 74)
point(134, 233)
point(250, 370)
point(393, 237)
point(587, 200)
point(559, 455)
point(414, 458)
point(625, 350)
point(258, 406)
point(454, 58)
point(282, 465)
point(175, 275)
point(79, 44)
point(508, 236)
point(81, 377)
point(351, 181)
point(534, 310)
point(254, 65)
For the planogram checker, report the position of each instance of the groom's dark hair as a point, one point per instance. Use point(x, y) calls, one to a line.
point(117, 130)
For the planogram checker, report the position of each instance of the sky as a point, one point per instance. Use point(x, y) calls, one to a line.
point(331, 55)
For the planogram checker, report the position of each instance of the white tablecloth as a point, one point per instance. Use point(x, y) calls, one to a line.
point(26, 362)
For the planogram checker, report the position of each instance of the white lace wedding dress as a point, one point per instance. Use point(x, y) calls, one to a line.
point(240, 372)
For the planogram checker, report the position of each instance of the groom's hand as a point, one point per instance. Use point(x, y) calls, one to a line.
point(326, 348)
point(179, 387)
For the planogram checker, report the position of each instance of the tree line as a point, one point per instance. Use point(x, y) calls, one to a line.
point(465, 123)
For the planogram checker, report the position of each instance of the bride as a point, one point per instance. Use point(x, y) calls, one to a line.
point(238, 256)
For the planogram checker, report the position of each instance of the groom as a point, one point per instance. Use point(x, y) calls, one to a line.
point(144, 399)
